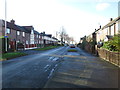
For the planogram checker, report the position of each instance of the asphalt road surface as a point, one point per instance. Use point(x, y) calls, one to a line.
point(58, 68)
point(83, 70)
point(31, 71)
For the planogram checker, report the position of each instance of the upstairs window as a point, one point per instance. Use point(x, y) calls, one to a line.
point(18, 32)
point(37, 36)
point(23, 34)
point(7, 31)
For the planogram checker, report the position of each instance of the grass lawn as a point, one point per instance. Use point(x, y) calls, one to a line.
point(72, 50)
point(46, 48)
point(12, 55)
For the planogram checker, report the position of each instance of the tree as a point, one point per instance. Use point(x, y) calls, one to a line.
point(64, 37)
point(62, 34)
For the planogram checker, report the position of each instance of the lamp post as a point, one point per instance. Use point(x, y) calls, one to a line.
point(5, 26)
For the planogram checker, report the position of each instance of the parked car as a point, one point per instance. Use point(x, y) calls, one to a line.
point(72, 46)
point(20, 46)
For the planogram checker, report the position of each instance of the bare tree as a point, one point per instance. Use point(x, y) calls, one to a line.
point(64, 37)
point(62, 34)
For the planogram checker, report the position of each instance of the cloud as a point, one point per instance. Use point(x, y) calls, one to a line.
point(102, 6)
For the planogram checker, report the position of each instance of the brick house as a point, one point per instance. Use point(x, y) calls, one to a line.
point(16, 34)
point(109, 30)
point(47, 39)
point(105, 33)
point(23, 35)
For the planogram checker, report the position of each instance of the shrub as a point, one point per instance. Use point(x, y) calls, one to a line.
point(114, 44)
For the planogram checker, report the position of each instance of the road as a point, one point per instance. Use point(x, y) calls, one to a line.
point(58, 68)
point(31, 71)
point(83, 70)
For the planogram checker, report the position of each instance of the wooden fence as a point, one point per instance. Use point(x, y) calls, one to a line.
point(112, 57)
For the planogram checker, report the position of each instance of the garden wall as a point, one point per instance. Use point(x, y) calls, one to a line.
point(112, 57)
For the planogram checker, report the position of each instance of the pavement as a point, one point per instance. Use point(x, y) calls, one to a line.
point(82, 70)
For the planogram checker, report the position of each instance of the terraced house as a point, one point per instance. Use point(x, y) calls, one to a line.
point(23, 37)
point(109, 30)
point(105, 33)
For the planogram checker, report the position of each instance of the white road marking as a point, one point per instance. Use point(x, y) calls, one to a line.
point(46, 66)
point(55, 59)
point(50, 58)
point(51, 73)
point(56, 65)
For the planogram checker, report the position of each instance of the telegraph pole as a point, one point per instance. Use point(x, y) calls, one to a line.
point(5, 25)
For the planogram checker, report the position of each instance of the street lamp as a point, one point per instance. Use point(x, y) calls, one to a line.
point(5, 26)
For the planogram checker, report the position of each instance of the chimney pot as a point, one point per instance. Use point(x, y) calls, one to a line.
point(12, 21)
point(111, 19)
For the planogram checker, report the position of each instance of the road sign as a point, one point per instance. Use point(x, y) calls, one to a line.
point(5, 36)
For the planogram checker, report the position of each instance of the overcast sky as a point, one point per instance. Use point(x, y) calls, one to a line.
point(79, 17)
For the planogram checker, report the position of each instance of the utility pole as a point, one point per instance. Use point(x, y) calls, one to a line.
point(5, 25)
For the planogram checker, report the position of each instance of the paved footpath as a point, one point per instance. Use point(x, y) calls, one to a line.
point(82, 70)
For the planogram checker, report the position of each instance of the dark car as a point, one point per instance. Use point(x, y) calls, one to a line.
point(72, 46)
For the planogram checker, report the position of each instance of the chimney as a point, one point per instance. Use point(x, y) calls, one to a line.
point(12, 21)
point(43, 32)
point(111, 19)
point(100, 26)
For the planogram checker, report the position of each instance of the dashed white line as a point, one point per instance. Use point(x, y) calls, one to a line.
point(51, 73)
point(55, 59)
point(46, 66)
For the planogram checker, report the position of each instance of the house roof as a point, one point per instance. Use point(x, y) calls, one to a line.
point(48, 35)
point(28, 27)
point(11, 25)
point(54, 38)
point(111, 22)
point(107, 25)
point(17, 27)
point(36, 32)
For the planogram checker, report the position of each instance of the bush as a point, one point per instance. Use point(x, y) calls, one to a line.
point(114, 44)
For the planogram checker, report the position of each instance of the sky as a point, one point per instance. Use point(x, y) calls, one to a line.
point(78, 17)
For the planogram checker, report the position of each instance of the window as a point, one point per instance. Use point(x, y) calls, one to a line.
point(26, 42)
point(18, 32)
point(18, 41)
point(7, 31)
point(23, 34)
point(9, 46)
point(37, 36)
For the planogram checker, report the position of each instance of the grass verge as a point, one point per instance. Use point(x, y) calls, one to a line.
point(46, 48)
point(72, 50)
point(11, 55)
